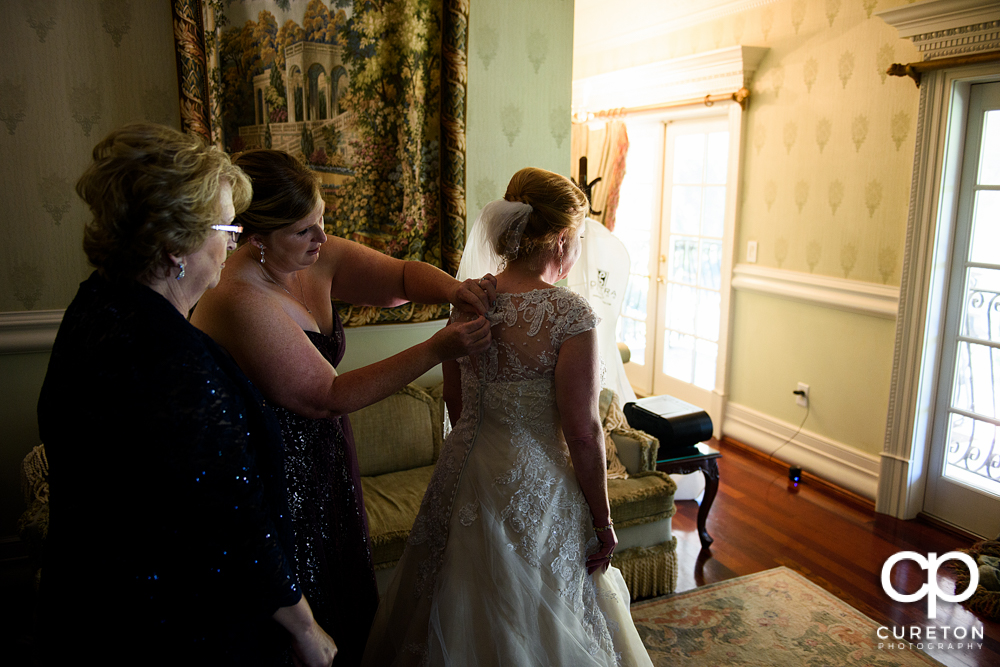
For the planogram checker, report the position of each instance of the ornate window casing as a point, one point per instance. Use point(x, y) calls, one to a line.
point(941, 29)
point(948, 27)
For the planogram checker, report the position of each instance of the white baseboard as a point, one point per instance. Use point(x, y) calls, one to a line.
point(828, 459)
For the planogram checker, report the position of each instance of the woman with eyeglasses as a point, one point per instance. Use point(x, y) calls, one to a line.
point(272, 311)
point(169, 540)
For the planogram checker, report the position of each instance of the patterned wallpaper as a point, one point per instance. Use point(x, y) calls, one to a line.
point(829, 136)
point(72, 71)
point(830, 140)
point(520, 86)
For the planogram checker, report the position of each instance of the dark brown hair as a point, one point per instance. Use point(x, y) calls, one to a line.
point(284, 191)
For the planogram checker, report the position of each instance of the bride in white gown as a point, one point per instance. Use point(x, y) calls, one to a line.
point(508, 561)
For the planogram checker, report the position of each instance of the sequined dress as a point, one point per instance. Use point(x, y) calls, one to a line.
point(494, 571)
point(168, 535)
point(332, 550)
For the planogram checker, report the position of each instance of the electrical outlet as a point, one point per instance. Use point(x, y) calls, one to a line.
point(752, 252)
point(803, 398)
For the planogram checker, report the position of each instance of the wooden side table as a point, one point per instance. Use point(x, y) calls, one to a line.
point(704, 458)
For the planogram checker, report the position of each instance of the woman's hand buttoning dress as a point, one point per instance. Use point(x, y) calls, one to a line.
point(508, 562)
point(272, 311)
point(169, 541)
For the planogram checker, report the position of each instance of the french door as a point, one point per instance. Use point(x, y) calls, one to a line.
point(676, 213)
point(963, 482)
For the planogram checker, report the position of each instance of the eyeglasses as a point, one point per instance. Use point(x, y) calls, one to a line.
point(234, 231)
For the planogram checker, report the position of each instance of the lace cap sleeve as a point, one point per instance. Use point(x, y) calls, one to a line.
point(573, 316)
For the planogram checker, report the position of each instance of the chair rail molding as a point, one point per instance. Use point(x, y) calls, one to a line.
point(28, 331)
point(853, 296)
point(824, 457)
point(945, 28)
point(711, 73)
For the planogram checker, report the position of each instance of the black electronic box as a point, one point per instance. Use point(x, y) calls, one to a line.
point(675, 423)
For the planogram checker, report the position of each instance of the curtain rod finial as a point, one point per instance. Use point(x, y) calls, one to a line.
point(899, 69)
point(741, 96)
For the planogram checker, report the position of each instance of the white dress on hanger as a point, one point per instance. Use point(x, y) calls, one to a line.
point(601, 276)
point(494, 571)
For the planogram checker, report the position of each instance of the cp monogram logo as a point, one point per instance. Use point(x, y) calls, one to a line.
point(930, 590)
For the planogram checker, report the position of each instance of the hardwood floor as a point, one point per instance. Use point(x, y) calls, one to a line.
point(759, 522)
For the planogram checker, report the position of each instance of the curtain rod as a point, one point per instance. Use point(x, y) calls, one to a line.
point(740, 97)
point(915, 70)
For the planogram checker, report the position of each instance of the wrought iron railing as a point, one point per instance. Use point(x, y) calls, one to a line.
point(973, 441)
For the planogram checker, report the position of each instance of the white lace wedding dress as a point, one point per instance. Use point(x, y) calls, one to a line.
point(494, 572)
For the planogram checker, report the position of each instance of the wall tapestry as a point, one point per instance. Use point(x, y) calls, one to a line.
point(371, 95)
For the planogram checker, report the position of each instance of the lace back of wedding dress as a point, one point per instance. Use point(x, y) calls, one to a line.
point(494, 569)
point(528, 330)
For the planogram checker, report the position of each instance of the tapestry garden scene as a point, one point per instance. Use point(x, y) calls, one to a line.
point(354, 90)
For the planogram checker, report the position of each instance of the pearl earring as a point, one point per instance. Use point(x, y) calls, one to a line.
point(261, 253)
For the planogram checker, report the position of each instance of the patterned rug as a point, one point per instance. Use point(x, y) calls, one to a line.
point(774, 618)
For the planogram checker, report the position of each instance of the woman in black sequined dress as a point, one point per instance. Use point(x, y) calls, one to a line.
point(272, 311)
point(168, 541)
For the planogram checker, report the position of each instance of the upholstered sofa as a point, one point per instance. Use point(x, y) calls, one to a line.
point(399, 439)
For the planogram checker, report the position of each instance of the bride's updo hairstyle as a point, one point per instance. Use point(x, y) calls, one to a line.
point(284, 191)
point(556, 205)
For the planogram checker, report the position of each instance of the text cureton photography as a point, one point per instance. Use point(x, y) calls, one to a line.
point(942, 637)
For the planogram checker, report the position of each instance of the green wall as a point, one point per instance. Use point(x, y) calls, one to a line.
point(520, 89)
point(845, 358)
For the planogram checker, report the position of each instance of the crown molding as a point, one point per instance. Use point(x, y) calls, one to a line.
point(942, 28)
point(711, 73)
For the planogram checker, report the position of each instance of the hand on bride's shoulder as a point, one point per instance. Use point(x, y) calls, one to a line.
point(477, 295)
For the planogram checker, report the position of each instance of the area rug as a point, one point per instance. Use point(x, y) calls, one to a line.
point(774, 618)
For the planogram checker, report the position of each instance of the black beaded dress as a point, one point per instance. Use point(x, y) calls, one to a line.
point(169, 540)
point(332, 550)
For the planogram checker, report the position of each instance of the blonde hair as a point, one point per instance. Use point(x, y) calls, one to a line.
point(556, 205)
point(153, 192)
